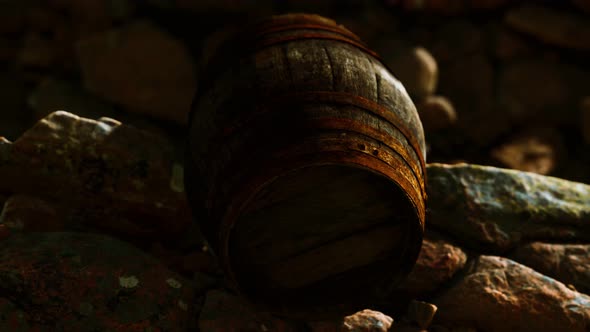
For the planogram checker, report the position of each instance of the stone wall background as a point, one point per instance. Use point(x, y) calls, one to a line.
point(496, 82)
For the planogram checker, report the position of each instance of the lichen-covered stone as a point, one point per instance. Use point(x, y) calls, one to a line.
point(84, 282)
point(501, 295)
point(568, 263)
point(437, 263)
point(108, 175)
point(495, 209)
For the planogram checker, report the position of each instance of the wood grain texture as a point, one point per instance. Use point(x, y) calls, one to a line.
point(296, 184)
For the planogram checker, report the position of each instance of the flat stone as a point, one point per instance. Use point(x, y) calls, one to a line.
point(568, 263)
point(552, 26)
point(109, 175)
point(496, 209)
point(142, 68)
point(72, 282)
point(437, 263)
point(501, 295)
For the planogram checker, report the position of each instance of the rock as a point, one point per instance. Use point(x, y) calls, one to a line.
point(551, 26)
point(469, 83)
point(496, 209)
point(23, 213)
point(456, 40)
point(142, 68)
point(585, 119)
point(363, 321)
point(536, 150)
point(367, 321)
point(14, 117)
point(110, 176)
point(436, 112)
point(223, 311)
point(82, 282)
point(421, 313)
point(568, 263)
point(417, 70)
point(437, 263)
point(537, 89)
point(502, 295)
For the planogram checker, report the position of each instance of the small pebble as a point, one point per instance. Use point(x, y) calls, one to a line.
point(421, 313)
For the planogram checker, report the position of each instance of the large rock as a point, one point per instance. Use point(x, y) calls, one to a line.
point(568, 263)
point(437, 263)
point(495, 209)
point(142, 68)
point(560, 28)
point(501, 295)
point(84, 282)
point(539, 90)
point(108, 175)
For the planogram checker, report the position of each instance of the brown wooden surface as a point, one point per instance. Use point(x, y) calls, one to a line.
point(307, 223)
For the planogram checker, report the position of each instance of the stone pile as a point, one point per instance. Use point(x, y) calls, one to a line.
point(95, 231)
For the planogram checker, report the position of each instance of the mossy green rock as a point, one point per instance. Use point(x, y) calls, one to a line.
point(494, 209)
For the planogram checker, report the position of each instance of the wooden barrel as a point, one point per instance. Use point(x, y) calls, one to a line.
point(306, 165)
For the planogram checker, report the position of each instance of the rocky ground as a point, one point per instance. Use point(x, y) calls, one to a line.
point(95, 231)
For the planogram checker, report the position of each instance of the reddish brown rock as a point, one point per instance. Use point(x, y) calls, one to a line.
point(223, 311)
point(568, 263)
point(585, 119)
point(437, 263)
point(81, 282)
point(501, 295)
point(367, 321)
point(417, 70)
point(552, 26)
point(363, 321)
point(142, 68)
point(108, 175)
point(536, 150)
point(436, 112)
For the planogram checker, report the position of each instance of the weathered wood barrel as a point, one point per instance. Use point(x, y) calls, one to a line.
point(306, 165)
